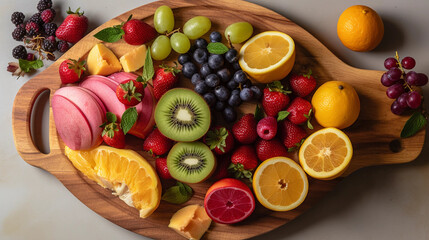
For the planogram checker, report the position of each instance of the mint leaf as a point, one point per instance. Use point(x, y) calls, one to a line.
point(27, 66)
point(259, 114)
point(110, 117)
point(217, 48)
point(111, 34)
point(414, 124)
point(178, 194)
point(282, 115)
point(129, 117)
point(148, 70)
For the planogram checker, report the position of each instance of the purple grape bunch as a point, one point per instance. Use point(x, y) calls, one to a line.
point(400, 84)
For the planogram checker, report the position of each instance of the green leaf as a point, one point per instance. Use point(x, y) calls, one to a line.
point(178, 194)
point(217, 48)
point(282, 115)
point(110, 117)
point(416, 122)
point(27, 66)
point(129, 117)
point(111, 34)
point(259, 114)
point(148, 70)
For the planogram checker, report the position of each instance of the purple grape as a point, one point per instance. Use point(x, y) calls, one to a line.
point(390, 63)
point(408, 62)
point(396, 108)
point(395, 90)
point(411, 78)
point(394, 74)
point(386, 81)
point(402, 100)
point(422, 79)
point(414, 99)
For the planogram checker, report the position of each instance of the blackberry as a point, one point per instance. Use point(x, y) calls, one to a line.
point(63, 46)
point(49, 46)
point(44, 4)
point(37, 19)
point(50, 28)
point(18, 34)
point(47, 15)
point(19, 52)
point(32, 28)
point(17, 18)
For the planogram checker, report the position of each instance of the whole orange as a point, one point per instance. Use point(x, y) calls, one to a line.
point(360, 28)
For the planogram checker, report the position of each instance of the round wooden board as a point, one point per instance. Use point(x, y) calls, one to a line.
point(375, 135)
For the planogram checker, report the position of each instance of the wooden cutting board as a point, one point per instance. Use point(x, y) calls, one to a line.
point(375, 135)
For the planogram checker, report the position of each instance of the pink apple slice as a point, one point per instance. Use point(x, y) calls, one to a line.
point(111, 83)
point(122, 76)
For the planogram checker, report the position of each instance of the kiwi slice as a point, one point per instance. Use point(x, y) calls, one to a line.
point(191, 162)
point(182, 115)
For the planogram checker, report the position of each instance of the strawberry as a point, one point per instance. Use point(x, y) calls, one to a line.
point(112, 133)
point(165, 79)
point(275, 98)
point(266, 149)
point(292, 135)
point(303, 84)
point(162, 169)
point(223, 163)
point(220, 140)
point(244, 130)
point(71, 70)
point(298, 112)
point(137, 32)
point(130, 92)
point(156, 143)
point(73, 27)
point(267, 128)
point(243, 161)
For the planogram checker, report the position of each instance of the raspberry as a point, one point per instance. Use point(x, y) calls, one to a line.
point(63, 46)
point(44, 4)
point(30, 57)
point(36, 18)
point(48, 15)
point(50, 28)
point(32, 28)
point(19, 52)
point(18, 34)
point(49, 46)
point(52, 39)
point(17, 18)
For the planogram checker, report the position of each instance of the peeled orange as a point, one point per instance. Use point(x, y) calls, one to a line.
point(326, 154)
point(268, 56)
point(123, 171)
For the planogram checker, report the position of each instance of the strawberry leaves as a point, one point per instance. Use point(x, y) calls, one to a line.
point(277, 86)
point(239, 171)
point(217, 138)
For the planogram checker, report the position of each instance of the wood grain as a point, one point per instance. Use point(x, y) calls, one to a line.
point(375, 135)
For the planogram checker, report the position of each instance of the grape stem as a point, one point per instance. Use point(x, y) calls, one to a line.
point(172, 32)
point(403, 72)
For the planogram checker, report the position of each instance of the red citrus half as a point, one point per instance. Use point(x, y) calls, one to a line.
point(229, 201)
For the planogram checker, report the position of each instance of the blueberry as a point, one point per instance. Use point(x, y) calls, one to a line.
point(189, 69)
point(201, 43)
point(240, 77)
point(229, 114)
point(219, 106)
point(235, 92)
point(212, 80)
point(236, 66)
point(246, 94)
point(216, 61)
point(215, 37)
point(222, 93)
point(224, 74)
point(205, 70)
point(201, 87)
point(234, 100)
point(195, 78)
point(200, 55)
point(210, 99)
point(257, 93)
point(231, 55)
point(247, 84)
point(184, 58)
point(232, 84)
point(191, 50)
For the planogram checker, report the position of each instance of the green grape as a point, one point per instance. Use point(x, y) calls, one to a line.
point(239, 32)
point(196, 27)
point(161, 48)
point(180, 42)
point(163, 19)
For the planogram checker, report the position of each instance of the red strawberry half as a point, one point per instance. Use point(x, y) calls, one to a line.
point(275, 98)
point(156, 143)
point(244, 130)
point(243, 162)
point(220, 140)
point(302, 85)
point(73, 27)
point(266, 149)
point(292, 135)
point(165, 79)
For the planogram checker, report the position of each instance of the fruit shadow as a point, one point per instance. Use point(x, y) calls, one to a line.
point(393, 38)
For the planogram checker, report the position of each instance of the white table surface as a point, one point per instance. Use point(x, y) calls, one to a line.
point(386, 202)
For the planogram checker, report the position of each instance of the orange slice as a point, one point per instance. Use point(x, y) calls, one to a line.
point(280, 184)
point(268, 56)
point(123, 171)
point(326, 153)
